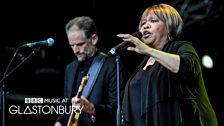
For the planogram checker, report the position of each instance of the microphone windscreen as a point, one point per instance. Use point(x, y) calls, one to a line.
point(137, 34)
point(50, 41)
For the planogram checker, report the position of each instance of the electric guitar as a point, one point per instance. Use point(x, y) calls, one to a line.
point(74, 116)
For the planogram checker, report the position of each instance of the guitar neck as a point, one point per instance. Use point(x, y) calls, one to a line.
point(81, 87)
point(74, 117)
point(79, 93)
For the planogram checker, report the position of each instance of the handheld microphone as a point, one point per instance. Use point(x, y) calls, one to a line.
point(48, 42)
point(123, 45)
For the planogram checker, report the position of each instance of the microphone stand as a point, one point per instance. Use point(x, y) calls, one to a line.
point(114, 52)
point(118, 117)
point(5, 76)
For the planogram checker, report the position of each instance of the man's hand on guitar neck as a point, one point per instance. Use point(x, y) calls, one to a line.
point(86, 104)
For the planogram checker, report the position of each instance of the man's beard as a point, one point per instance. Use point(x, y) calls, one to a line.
point(81, 57)
point(84, 56)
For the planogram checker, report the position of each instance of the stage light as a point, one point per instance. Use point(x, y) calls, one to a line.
point(207, 62)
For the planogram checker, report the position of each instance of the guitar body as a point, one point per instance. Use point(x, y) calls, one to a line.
point(74, 116)
point(73, 119)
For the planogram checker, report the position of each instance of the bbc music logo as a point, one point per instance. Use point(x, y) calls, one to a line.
point(34, 100)
point(43, 109)
point(46, 100)
point(44, 106)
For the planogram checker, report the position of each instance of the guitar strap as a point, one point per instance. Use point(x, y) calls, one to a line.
point(93, 73)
